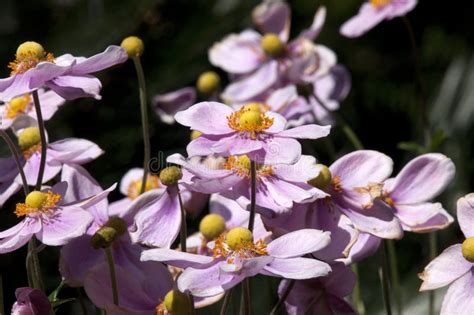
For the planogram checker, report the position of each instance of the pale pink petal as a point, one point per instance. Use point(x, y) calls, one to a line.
point(72, 87)
point(367, 18)
point(298, 243)
point(73, 150)
point(167, 105)
point(465, 212)
point(459, 300)
point(210, 118)
point(417, 217)
point(318, 23)
point(176, 258)
point(111, 56)
point(306, 132)
point(298, 268)
point(273, 17)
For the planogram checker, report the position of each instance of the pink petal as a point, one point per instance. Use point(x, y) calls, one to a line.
point(273, 17)
point(367, 18)
point(72, 87)
point(73, 150)
point(176, 258)
point(444, 269)
point(207, 117)
point(306, 132)
point(298, 268)
point(167, 105)
point(419, 217)
point(298, 243)
point(460, 296)
point(465, 212)
point(111, 56)
point(316, 27)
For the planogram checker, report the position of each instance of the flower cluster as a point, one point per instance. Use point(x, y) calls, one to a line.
point(266, 205)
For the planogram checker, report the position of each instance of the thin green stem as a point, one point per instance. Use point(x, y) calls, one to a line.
point(225, 304)
point(145, 122)
point(433, 254)
point(392, 255)
point(113, 276)
point(283, 297)
point(356, 293)
point(385, 278)
point(183, 231)
point(253, 193)
point(35, 279)
point(44, 145)
point(421, 84)
point(346, 128)
point(16, 156)
point(245, 307)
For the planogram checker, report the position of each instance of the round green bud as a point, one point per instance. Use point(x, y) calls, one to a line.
point(29, 137)
point(468, 249)
point(211, 226)
point(104, 237)
point(133, 46)
point(272, 44)
point(250, 119)
point(208, 82)
point(178, 303)
point(238, 236)
point(171, 175)
point(118, 224)
point(323, 179)
point(36, 199)
point(30, 50)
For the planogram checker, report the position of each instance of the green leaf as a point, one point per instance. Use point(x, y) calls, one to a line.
point(411, 147)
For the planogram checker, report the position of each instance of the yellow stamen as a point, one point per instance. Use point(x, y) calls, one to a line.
point(243, 250)
point(241, 165)
point(135, 186)
point(248, 120)
point(28, 55)
point(336, 184)
point(37, 202)
point(379, 3)
point(467, 249)
point(18, 105)
point(375, 190)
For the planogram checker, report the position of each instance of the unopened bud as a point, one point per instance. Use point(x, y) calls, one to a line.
point(323, 179)
point(171, 175)
point(178, 303)
point(208, 82)
point(133, 46)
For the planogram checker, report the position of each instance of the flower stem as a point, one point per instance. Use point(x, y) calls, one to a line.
point(356, 296)
point(283, 297)
point(16, 155)
point(433, 253)
point(145, 123)
point(392, 255)
point(253, 193)
point(421, 84)
point(346, 128)
point(245, 307)
point(226, 302)
point(113, 277)
point(183, 231)
point(384, 278)
point(33, 269)
point(39, 117)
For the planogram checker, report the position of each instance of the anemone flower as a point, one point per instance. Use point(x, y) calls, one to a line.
point(30, 302)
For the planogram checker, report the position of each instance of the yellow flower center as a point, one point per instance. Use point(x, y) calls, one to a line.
point(250, 119)
point(336, 184)
point(135, 187)
point(379, 3)
point(211, 226)
point(241, 165)
point(208, 82)
point(177, 303)
point(28, 55)
point(238, 243)
point(29, 141)
point(18, 105)
point(468, 249)
point(133, 46)
point(272, 45)
point(323, 180)
point(375, 190)
point(36, 202)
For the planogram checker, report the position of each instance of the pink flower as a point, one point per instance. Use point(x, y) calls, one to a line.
point(260, 135)
point(30, 302)
point(373, 12)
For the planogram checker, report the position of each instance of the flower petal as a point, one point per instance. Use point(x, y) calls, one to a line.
point(210, 118)
point(204, 282)
point(306, 132)
point(419, 217)
point(112, 55)
point(460, 296)
point(167, 105)
point(298, 243)
point(444, 269)
point(422, 179)
point(176, 258)
point(74, 150)
point(318, 23)
point(298, 268)
point(273, 17)
point(72, 87)
point(367, 18)
point(465, 212)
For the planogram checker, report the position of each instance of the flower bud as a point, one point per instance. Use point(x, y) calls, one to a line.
point(133, 46)
point(36, 199)
point(195, 134)
point(323, 179)
point(468, 249)
point(238, 236)
point(272, 45)
point(171, 175)
point(211, 226)
point(104, 237)
point(178, 303)
point(249, 119)
point(29, 137)
point(208, 82)
point(30, 50)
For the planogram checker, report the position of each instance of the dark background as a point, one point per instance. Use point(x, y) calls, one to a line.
point(382, 106)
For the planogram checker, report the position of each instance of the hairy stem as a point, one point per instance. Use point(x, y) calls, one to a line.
point(113, 276)
point(183, 231)
point(145, 122)
point(42, 130)
point(33, 270)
